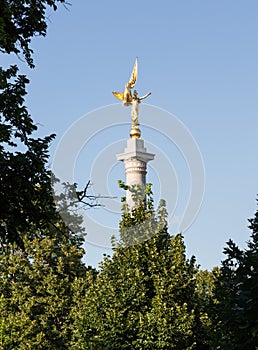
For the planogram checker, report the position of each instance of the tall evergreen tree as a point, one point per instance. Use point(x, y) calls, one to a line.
point(144, 297)
point(237, 295)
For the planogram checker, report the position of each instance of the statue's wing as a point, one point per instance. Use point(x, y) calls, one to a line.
point(118, 95)
point(134, 74)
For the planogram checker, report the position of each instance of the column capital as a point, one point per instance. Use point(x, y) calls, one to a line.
point(135, 149)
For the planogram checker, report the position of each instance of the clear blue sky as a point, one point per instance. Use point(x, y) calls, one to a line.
point(200, 61)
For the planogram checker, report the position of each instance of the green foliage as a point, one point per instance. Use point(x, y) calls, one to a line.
point(25, 193)
point(42, 284)
point(42, 276)
point(20, 21)
point(25, 183)
point(237, 295)
point(145, 296)
point(37, 291)
point(204, 307)
point(139, 224)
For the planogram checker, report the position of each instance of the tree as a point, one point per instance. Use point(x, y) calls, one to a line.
point(42, 284)
point(20, 21)
point(25, 183)
point(237, 295)
point(144, 297)
point(25, 194)
point(204, 308)
point(37, 290)
point(41, 272)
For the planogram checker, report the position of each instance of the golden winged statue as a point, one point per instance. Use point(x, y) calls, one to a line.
point(126, 96)
point(132, 100)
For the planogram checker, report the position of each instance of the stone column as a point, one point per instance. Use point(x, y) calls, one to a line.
point(135, 159)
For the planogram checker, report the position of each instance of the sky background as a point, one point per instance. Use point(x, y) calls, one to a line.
point(200, 61)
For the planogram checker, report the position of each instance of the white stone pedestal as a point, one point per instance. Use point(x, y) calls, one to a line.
point(135, 159)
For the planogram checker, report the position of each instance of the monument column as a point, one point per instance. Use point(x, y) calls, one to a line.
point(135, 156)
point(135, 159)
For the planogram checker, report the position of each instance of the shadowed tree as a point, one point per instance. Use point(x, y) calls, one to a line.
point(41, 272)
point(25, 182)
point(237, 295)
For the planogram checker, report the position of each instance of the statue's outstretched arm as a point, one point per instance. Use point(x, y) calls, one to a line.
point(145, 96)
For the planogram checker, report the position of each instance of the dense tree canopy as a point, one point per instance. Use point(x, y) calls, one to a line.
point(37, 289)
point(236, 309)
point(145, 296)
